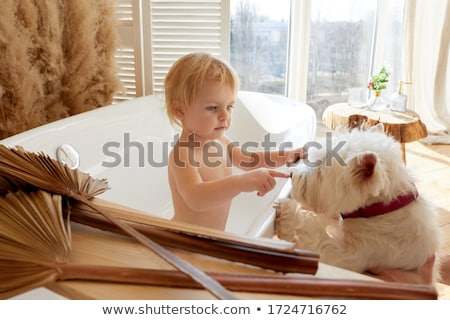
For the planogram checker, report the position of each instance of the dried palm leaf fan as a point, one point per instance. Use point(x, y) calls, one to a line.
point(277, 256)
point(43, 172)
point(35, 245)
point(30, 243)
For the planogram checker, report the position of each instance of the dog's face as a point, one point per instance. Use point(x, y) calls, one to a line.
point(348, 170)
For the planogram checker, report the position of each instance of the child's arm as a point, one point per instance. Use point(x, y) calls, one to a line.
point(247, 160)
point(203, 195)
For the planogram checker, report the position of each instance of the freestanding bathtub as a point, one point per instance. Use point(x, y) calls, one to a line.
point(128, 143)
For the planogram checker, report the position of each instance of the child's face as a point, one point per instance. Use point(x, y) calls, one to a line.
point(209, 115)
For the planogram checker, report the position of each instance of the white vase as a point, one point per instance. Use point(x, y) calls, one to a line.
point(376, 101)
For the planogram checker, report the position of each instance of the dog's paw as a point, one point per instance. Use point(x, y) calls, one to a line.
point(285, 206)
point(285, 218)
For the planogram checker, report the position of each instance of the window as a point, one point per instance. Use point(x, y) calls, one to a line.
point(259, 44)
point(349, 41)
point(325, 48)
point(341, 35)
point(308, 50)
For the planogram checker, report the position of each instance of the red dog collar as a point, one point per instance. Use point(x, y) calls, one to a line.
point(380, 208)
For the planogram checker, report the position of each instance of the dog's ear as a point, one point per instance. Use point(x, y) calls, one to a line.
point(363, 166)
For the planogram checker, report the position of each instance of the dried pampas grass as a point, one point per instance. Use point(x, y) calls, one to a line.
point(56, 60)
point(89, 44)
point(31, 64)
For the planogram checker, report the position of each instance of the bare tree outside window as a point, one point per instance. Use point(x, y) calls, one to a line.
point(340, 50)
point(341, 46)
point(259, 43)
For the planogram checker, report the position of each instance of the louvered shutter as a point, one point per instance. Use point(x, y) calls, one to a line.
point(154, 33)
point(129, 54)
point(180, 27)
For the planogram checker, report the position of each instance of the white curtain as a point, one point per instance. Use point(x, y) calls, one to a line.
point(427, 57)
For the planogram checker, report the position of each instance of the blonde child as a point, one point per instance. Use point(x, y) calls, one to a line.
point(200, 93)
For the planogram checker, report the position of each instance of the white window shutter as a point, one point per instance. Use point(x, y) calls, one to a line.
point(129, 56)
point(181, 27)
point(154, 33)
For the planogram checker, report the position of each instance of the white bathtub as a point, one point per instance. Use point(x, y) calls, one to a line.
point(114, 142)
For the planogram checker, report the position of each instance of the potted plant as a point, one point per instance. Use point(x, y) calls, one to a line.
point(376, 84)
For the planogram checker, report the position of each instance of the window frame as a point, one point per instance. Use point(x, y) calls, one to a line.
point(298, 51)
point(297, 80)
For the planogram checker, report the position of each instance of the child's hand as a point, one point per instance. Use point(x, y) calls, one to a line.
point(261, 180)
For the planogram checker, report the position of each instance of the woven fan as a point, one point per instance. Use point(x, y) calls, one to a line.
point(30, 244)
point(38, 169)
point(35, 245)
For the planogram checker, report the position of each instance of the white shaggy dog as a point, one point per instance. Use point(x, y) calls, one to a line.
point(354, 202)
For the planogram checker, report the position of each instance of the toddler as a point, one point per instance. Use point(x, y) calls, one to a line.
point(200, 92)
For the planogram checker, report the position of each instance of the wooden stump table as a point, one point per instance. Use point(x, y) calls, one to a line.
point(403, 126)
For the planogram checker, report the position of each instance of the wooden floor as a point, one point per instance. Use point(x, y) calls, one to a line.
point(430, 165)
